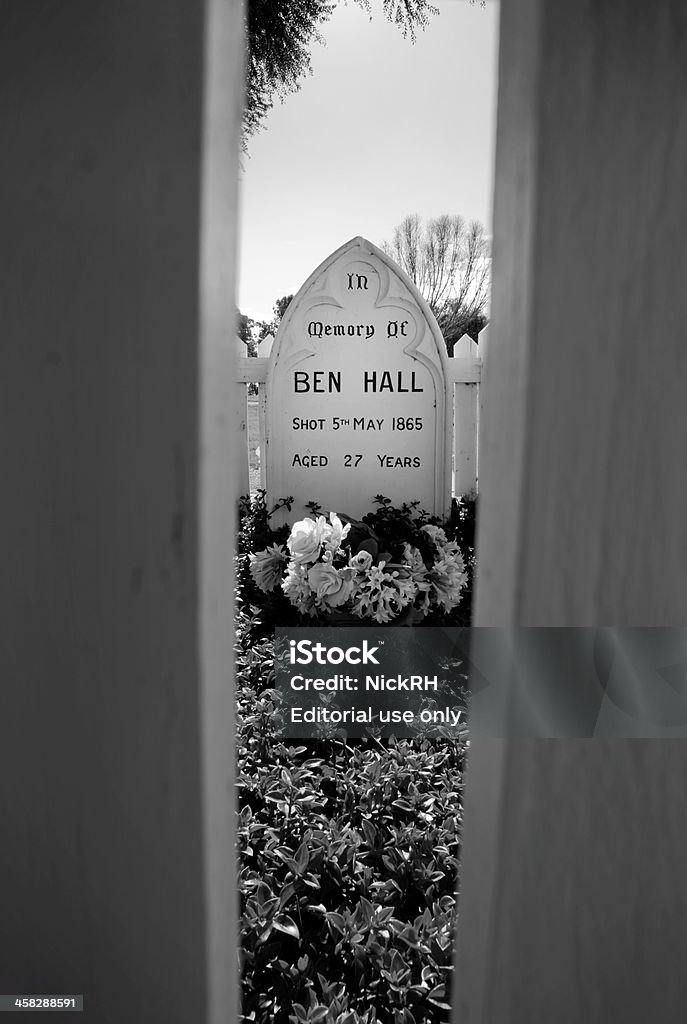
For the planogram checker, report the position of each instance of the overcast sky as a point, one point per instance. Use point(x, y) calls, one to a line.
point(383, 128)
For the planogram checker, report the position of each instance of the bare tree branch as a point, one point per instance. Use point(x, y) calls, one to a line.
point(450, 263)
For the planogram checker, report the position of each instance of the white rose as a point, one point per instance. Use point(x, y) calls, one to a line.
point(305, 540)
point(435, 533)
point(332, 587)
point(361, 562)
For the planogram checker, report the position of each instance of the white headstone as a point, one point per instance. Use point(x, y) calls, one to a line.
point(357, 399)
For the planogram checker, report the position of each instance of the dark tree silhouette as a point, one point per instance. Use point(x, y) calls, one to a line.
point(279, 37)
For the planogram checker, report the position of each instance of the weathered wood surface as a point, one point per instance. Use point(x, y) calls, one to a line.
point(119, 125)
point(573, 881)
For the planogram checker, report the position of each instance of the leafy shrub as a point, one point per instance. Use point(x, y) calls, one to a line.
point(349, 866)
point(348, 851)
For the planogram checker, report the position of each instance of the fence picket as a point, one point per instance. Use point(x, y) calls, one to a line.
point(240, 412)
point(465, 420)
point(262, 419)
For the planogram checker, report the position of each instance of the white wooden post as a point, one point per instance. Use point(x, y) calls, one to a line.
point(465, 424)
point(262, 428)
point(573, 888)
point(117, 861)
point(264, 349)
point(483, 349)
point(239, 410)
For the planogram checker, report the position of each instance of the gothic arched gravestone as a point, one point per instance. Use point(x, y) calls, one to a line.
point(358, 402)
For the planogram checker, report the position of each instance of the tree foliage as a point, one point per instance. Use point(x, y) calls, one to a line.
point(279, 309)
point(448, 259)
point(245, 327)
point(252, 332)
point(266, 327)
point(280, 34)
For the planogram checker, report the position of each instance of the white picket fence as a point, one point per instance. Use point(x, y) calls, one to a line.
point(465, 371)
